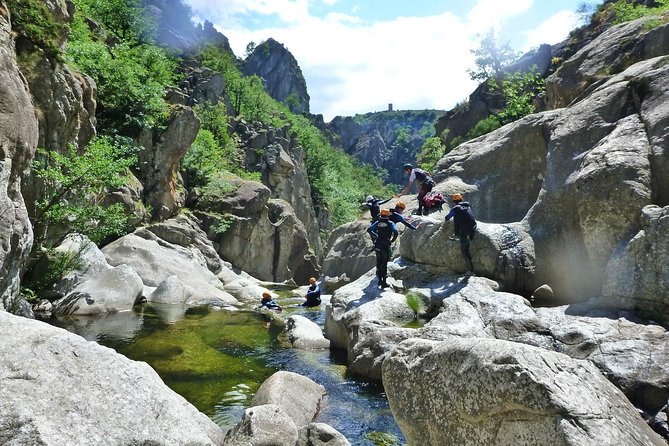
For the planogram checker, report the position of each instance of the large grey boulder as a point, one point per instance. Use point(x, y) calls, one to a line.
point(503, 252)
point(159, 160)
point(484, 392)
point(90, 259)
point(263, 425)
point(271, 245)
point(501, 173)
point(79, 392)
point(305, 334)
point(609, 53)
point(298, 396)
point(116, 289)
point(155, 260)
point(637, 276)
point(18, 139)
point(350, 254)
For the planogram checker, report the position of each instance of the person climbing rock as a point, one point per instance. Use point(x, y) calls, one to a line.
point(397, 217)
point(426, 185)
point(268, 303)
point(374, 206)
point(464, 226)
point(383, 233)
point(313, 294)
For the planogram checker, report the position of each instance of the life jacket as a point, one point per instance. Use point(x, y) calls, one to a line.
point(384, 233)
point(463, 219)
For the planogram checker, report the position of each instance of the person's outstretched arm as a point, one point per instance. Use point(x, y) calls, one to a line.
point(405, 223)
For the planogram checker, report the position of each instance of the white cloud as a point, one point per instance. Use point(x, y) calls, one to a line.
point(353, 66)
point(553, 30)
point(488, 14)
point(330, 2)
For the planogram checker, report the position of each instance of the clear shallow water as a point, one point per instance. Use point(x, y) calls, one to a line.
point(218, 359)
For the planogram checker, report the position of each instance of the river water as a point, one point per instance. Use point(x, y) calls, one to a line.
point(217, 359)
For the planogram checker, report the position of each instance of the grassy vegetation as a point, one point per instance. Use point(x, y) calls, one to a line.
point(338, 182)
point(626, 10)
point(32, 20)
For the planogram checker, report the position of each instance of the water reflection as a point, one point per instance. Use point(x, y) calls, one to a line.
point(218, 359)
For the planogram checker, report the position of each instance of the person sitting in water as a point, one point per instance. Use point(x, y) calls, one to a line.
point(313, 294)
point(268, 303)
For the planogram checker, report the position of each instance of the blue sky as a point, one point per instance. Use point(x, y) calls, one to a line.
point(358, 56)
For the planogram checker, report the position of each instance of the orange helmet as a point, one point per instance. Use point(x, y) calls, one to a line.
point(456, 197)
point(401, 205)
point(312, 280)
point(385, 213)
point(266, 295)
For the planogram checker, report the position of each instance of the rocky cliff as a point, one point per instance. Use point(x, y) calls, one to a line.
point(281, 74)
point(570, 199)
point(384, 140)
point(18, 140)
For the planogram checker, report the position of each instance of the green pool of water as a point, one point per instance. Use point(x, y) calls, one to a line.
point(217, 359)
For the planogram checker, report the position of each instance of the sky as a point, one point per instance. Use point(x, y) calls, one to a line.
point(358, 56)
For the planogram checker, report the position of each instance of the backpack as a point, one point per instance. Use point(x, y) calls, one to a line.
point(434, 200)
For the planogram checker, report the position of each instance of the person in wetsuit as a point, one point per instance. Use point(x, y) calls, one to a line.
point(268, 303)
point(397, 217)
point(313, 294)
point(464, 226)
point(374, 206)
point(383, 233)
point(426, 184)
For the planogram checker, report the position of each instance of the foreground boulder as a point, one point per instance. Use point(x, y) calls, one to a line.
point(266, 424)
point(485, 392)
point(304, 333)
point(66, 390)
point(298, 396)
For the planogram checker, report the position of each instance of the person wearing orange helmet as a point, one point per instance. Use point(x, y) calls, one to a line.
point(464, 226)
point(383, 233)
point(313, 294)
point(397, 217)
point(268, 303)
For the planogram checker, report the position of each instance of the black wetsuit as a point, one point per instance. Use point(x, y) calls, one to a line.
point(313, 296)
point(465, 228)
point(383, 233)
point(374, 207)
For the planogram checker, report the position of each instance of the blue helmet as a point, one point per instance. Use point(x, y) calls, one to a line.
point(408, 166)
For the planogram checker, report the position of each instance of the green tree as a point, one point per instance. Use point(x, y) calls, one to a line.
point(74, 188)
point(126, 19)
point(519, 89)
point(490, 58)
point(131, 79)
point(430, 153)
